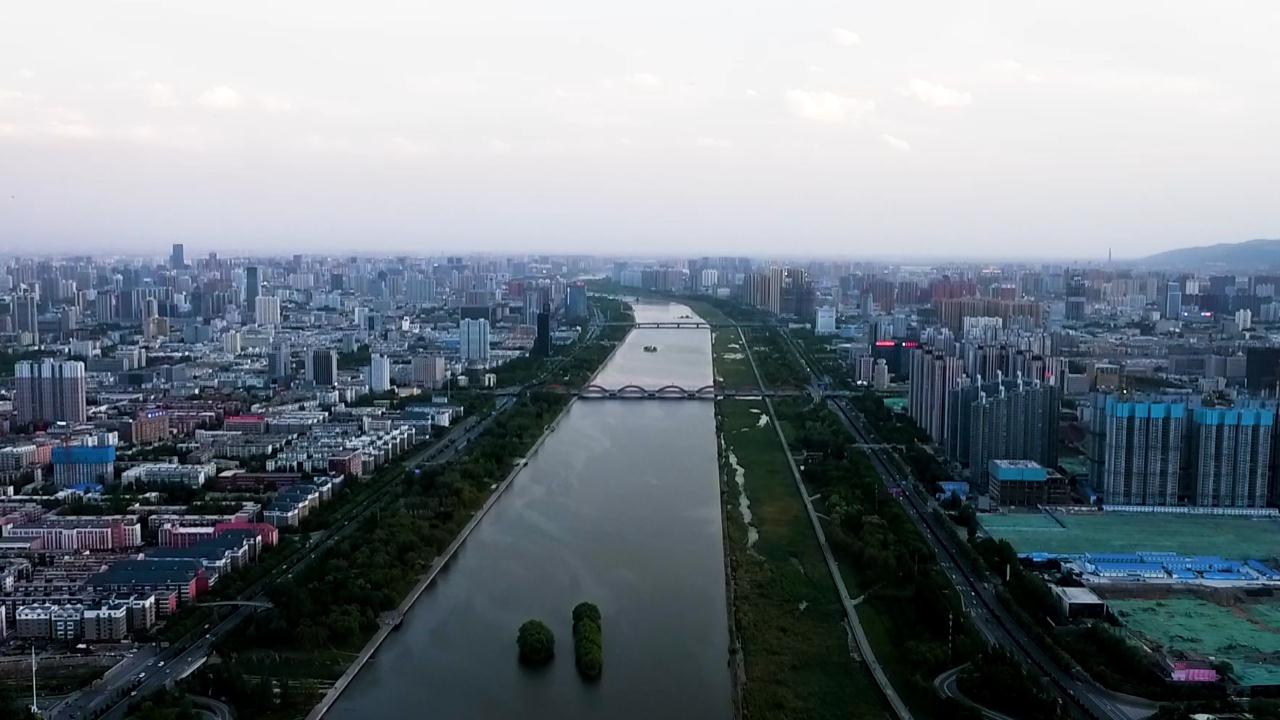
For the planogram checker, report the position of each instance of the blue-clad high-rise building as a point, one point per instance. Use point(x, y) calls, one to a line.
point(1231, 455)
point(1144, 451)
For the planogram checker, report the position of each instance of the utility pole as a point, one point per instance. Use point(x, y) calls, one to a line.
point(35, 708)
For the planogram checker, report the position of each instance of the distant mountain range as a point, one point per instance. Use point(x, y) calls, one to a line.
point(1251, 254)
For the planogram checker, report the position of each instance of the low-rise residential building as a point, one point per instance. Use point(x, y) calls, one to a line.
point(82, 533)
point(161, 473)
point(106, 623)
point(1025, 483)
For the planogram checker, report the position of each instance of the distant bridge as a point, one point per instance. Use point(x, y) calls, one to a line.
point(637, 392)
point(675, 325)
point(263, 604)
point(667, 392)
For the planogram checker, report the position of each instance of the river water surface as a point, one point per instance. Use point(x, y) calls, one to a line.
point(620, 507)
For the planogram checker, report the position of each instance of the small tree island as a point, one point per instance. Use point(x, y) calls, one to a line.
point(588, 648)
point(536, 642)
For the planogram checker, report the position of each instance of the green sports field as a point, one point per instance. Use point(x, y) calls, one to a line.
point(1231, 537)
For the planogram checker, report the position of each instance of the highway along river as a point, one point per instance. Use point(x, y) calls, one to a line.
point(620, 507)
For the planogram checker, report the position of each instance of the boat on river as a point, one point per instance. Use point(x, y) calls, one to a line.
point(651, 348)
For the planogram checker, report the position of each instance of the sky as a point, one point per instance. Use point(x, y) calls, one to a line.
point(801, 127)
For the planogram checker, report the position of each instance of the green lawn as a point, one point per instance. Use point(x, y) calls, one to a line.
point(788, 616)
point(732, 368)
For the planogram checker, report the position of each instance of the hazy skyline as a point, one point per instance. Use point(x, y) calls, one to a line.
point(936, 129)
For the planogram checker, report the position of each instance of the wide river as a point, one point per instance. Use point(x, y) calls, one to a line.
point(620, 507)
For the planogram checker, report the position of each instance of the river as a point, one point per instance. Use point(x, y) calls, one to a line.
point(620, 507)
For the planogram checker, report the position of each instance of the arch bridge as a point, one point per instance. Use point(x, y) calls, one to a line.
point(637, 392)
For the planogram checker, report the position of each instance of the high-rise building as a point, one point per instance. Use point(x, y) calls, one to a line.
point(933, 374)
point(824, 322)
point(231, 342)
point(50, 391)
point(379, 373)
point(542, 340)
point(429, 371)
point(473, 342)
point(421, 289)
point(1007, 420)
point(177, 257)
point(1231, 455)
point(1143, 454)
point(252, 286)
point(25, 317)
point(267, 310)
point(773, 298)
point(324, 367)
point(280, 360)
point(577, 307)
point(1173, 300)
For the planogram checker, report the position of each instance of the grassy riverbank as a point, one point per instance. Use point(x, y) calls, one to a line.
point(789, 620)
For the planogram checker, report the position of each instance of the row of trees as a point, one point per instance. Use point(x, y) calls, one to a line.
point(588, 640)
point(869, 531)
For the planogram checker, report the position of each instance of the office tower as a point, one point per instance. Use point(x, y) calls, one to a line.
point(25, 317)
point(1143, 451)
point(379, 373)
point(1173, 300)
point(1244, 318)
point(577, 307)
point(49, 391)
point(280, 361)
point(267, 310)
point(252, 286)
point(880, 377)
point(1231, 455)
point(473, 342)
point(542, 340)
point(429, 371)
point(324, 367)
point(231, 342)
point(177, 257)
point(824, 322)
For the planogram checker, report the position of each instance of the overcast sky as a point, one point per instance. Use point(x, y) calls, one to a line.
point(1008, 127)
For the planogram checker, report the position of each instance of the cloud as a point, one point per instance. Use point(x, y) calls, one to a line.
point(896, 143)
point(73, 130)
point(496, 146)
point(713, 142)
point(221, 98)
point(845, 38)
point(1012, 69)
point(161, 95)
point(645, 80)
point(8, 130)
point(26, 73)
point(936, 95)
point(405, 146)
point(825, 106)
point(275, 104)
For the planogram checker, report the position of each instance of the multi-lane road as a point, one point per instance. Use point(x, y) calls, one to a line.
point(1081, 696)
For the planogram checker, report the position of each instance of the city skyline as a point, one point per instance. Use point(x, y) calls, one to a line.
point(910, 132)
